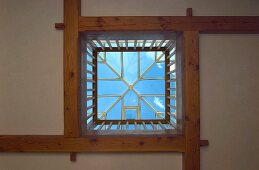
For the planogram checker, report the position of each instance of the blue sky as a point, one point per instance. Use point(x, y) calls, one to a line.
point(142, 96)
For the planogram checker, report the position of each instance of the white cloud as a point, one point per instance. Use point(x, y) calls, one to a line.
point(150, 55)
point(159, 103)
point(159, 65)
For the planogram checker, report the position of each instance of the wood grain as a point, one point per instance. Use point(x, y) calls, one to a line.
point(203, 24)
point(191, 157)
point(71, 69)
point(126, 143)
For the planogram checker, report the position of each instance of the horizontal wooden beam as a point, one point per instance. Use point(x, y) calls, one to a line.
point(58, 143)
point(128, 143)
point(203, 24)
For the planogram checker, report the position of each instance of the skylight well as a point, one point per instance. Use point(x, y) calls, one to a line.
point(129, 85)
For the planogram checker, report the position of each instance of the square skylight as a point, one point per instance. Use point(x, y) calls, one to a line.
point(131, 85)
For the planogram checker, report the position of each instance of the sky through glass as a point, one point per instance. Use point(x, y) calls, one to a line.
point(131, 85)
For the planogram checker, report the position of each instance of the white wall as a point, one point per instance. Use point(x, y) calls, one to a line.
point(31, 84)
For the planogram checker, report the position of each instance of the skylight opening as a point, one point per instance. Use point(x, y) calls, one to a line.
point(130, 85)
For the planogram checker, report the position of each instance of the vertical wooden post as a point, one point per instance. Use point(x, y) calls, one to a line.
point(72, 63)
point(191, 158)
point(71, 69)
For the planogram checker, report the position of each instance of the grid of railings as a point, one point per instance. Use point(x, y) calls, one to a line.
point(89, 89)
point(165, 53)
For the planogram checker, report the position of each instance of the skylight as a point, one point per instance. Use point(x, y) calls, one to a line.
point(131, 85)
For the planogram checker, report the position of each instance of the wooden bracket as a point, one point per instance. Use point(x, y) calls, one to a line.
point(73, 156)
point(204, 143)
point(60, 26)
point(189, 12)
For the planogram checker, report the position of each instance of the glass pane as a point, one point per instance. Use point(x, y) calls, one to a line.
point(105, 103)
point(130, 65)
point(131, 99)
point(146, 111)
point(115, 112)
point(150, 87)
point(130, 114)
point(105, 72)
point(156, 71)
point(111, 87)
point(113, 59)
point(146, 60)
point(157, 102)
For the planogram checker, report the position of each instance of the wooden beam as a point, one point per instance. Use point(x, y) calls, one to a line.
point(71, 69)
point(128, 143)
point(203, 24)
point(191, 157)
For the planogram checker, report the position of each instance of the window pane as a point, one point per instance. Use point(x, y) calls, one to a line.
point(146, 60)
point(156, 71)
point(131, 99)
point(130, 114)
point(150, 86)
point(113, 59)
point(105, 72)
point(130, 65)
point(111, 87)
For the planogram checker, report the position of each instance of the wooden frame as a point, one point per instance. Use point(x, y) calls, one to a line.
point(71, 69)
point(191, 157)
point(202, 24)
point(189, 143)
point(166, 51)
